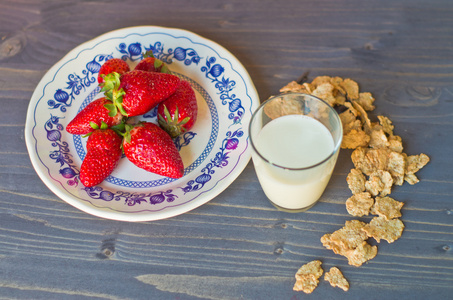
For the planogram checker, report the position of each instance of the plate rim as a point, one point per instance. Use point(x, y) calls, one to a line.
point(109, 213)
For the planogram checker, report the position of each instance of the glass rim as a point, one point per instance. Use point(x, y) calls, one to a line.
point(335, 150)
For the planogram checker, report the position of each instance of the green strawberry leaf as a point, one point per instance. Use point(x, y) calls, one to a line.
point(127, 132)
point(114, 93)
point(158, 63)
point(148, 53)
point(94, 125)
point(165, 69)
point(112, 109)
point(172, 126)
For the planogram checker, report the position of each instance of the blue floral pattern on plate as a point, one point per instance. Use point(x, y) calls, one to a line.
point(214, 153)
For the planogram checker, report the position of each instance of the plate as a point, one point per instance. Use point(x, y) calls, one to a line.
point(214, 152)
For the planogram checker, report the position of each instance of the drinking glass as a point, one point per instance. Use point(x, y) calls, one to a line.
point(295, 141)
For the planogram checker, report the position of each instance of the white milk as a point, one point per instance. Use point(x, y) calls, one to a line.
point(294, 141)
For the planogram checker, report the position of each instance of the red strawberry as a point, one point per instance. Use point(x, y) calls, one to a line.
point(178, 113)
point(151, 64)
point(95, 112)
point(149, 147)
point(113, 65)
point(137, 92)
point(103, 154)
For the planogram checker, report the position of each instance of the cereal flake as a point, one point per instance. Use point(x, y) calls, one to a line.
point(294, 87)
point(354, 139)
point(366, 122)
point(378, 139)
point(350, 236)
point(359, 205)
point(387, 207)
point(413, 164)
point(350, 241)
point(329, 244)
point(395, 143)
point(355, 124)
point(366, 100)
point(336, 279)
point(379, 183)
point(386, 124)
point(396, 165)
point(361, 254)
point(307, 277)
point(321, 80)
point(325, 91)
point(370, 160)
point(351, 87)
point(356, 181)
point(279, 107)
point(381, 228)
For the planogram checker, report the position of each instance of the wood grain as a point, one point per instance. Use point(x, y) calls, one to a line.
point(237, 246)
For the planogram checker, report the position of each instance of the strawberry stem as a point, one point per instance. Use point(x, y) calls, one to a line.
point(148, 53)
point(126, 133)
point(172, 126)
point(120, 128)
point(164, 69)
point(157, 62)
point(113, 92)
point(95, 127)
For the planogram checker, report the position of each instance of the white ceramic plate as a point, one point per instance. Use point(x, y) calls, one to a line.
point(214, 152)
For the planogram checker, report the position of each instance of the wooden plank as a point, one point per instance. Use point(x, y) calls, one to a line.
point(237, 246)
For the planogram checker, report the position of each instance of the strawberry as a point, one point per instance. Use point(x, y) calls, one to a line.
point(151, 64)
point(95, 112)
point(150, 148)
point(136, 92)
point(112, 65)
point(178, 113)
point(103, 153)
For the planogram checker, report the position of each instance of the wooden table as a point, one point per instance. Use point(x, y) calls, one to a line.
point(237, 246)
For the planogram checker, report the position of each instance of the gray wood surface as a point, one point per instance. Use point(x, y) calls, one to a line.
point(237, 246)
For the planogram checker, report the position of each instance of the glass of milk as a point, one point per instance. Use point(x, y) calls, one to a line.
point(295, 139)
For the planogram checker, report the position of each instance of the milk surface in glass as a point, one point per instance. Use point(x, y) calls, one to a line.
point(294, 141)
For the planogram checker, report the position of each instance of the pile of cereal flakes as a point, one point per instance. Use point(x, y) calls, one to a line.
point(379, 163)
